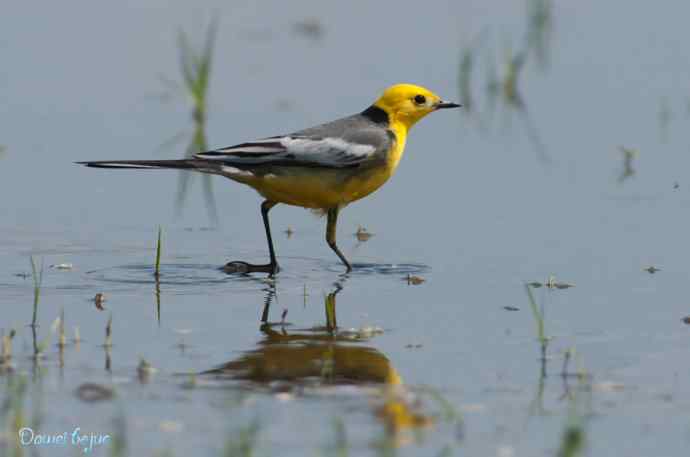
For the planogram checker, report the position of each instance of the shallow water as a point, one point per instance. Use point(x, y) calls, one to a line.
point(438, 368)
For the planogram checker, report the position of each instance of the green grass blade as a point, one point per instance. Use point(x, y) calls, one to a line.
point(538, 317)
point(158, 253)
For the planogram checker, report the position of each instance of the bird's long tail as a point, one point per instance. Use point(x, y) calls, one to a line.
point(183, 164)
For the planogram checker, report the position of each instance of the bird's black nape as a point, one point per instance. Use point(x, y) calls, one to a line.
point(377, 115)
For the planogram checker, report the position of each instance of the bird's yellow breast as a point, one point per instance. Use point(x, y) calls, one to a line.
point(366, 183)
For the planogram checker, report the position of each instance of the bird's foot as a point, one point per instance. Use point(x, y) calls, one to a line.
point(239, 266)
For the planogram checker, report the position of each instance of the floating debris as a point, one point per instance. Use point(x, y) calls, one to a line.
point(628, 169)
point(414, 280)
point(362, 234)
point(99, 299)
point(92, 392)
point(686, 320)
point(310, 28)
point(362, 333)
point(170, 426)
point(609, 386)
point(62, 266)
point(511, 308)
point(145, 370)
point(651, 269)
point(414, 346)
point(551, 283)
point(676, 185)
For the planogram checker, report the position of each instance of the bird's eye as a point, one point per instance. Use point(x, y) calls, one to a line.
point(420, 99)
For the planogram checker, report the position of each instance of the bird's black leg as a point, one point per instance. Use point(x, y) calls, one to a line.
point(270, 268)
point(330, 236)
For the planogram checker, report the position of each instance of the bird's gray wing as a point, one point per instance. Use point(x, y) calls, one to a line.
point(341, 144)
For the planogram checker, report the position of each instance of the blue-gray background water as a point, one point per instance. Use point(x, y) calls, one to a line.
point(483, 201)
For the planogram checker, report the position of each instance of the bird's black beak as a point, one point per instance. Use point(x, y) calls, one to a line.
point(442, 105)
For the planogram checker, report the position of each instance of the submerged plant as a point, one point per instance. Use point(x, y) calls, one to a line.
point(340, 446)
point(504, 87)
point(539, 30)
point(243, 442)
point(196, 73)
point(465, 78)
point(12, 415)
point(109, 333)
point(118, 440)
point(573, 437)
point(538, 314)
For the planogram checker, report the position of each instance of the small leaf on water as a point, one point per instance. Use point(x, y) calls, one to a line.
point(92, 392)
point(362, 234)
point(414, 280)
point(98, 300)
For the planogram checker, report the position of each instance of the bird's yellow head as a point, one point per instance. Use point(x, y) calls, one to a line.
point(407, 103)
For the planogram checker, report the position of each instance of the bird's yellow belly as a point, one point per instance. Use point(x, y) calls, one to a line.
point(325, 189)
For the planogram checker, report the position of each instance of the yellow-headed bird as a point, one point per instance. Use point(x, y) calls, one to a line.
point(323, 168)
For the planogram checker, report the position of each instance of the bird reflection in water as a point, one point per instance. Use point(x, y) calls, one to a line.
point(295, 360)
